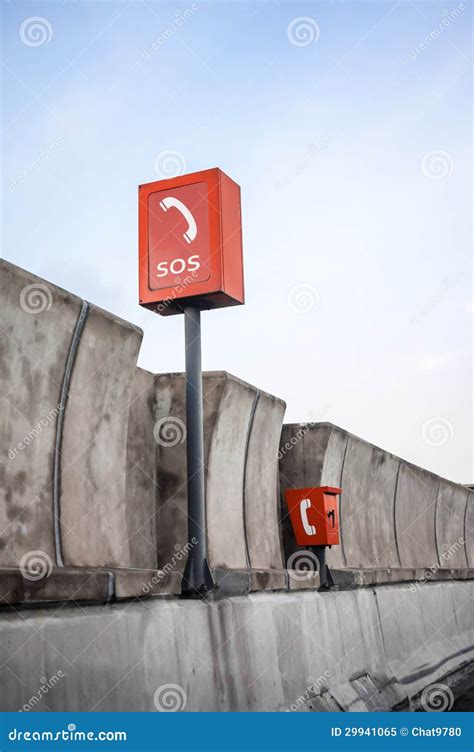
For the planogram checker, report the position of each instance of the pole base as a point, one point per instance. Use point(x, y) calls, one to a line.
point(197, 579)
point(325, 576)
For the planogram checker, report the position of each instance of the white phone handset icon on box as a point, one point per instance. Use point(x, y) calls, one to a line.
point(170, 201)
point(304, 506)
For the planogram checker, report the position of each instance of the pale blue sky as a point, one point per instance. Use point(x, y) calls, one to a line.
point(354, 157)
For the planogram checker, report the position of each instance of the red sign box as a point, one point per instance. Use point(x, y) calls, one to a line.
point(190, 243)
point(314, 515)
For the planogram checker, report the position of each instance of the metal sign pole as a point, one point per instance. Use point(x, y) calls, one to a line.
point(181, 237)
point(197, 578)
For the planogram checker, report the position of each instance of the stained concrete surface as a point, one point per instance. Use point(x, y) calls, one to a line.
point(94, 447)
point(141, 485)
point(259, 652)
point(392, 513)
point(36, 324)
point(241, 487)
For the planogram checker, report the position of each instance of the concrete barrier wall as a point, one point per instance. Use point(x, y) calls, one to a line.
point(241, 495)
point(141, 488)
point(93, 494)
point(84, 447)
point(369, 480)
point(469, 530)
point(90, 444)
point(248, 653)
point(37, 323)
point(262, 519)
point(451, 505)
point(225, 476)
point(392, 513)
point(415, 509)
point(67, 372)
point(170, 438)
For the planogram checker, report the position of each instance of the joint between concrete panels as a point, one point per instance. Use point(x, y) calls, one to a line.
point(70, 360)
point(343, 553)
point(111, 587)
point(395, 534)
point(244, 480)
point(465, 530)
point(434, 522)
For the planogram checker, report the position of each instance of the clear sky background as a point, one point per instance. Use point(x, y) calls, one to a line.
point(349, 134)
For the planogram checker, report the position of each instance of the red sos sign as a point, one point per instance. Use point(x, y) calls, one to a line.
point(190, 242)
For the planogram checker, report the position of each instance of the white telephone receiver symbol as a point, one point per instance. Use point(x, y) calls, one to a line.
point(304, 506)
point(170, 201)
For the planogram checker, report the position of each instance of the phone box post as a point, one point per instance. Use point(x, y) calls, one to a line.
point(190, 243)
